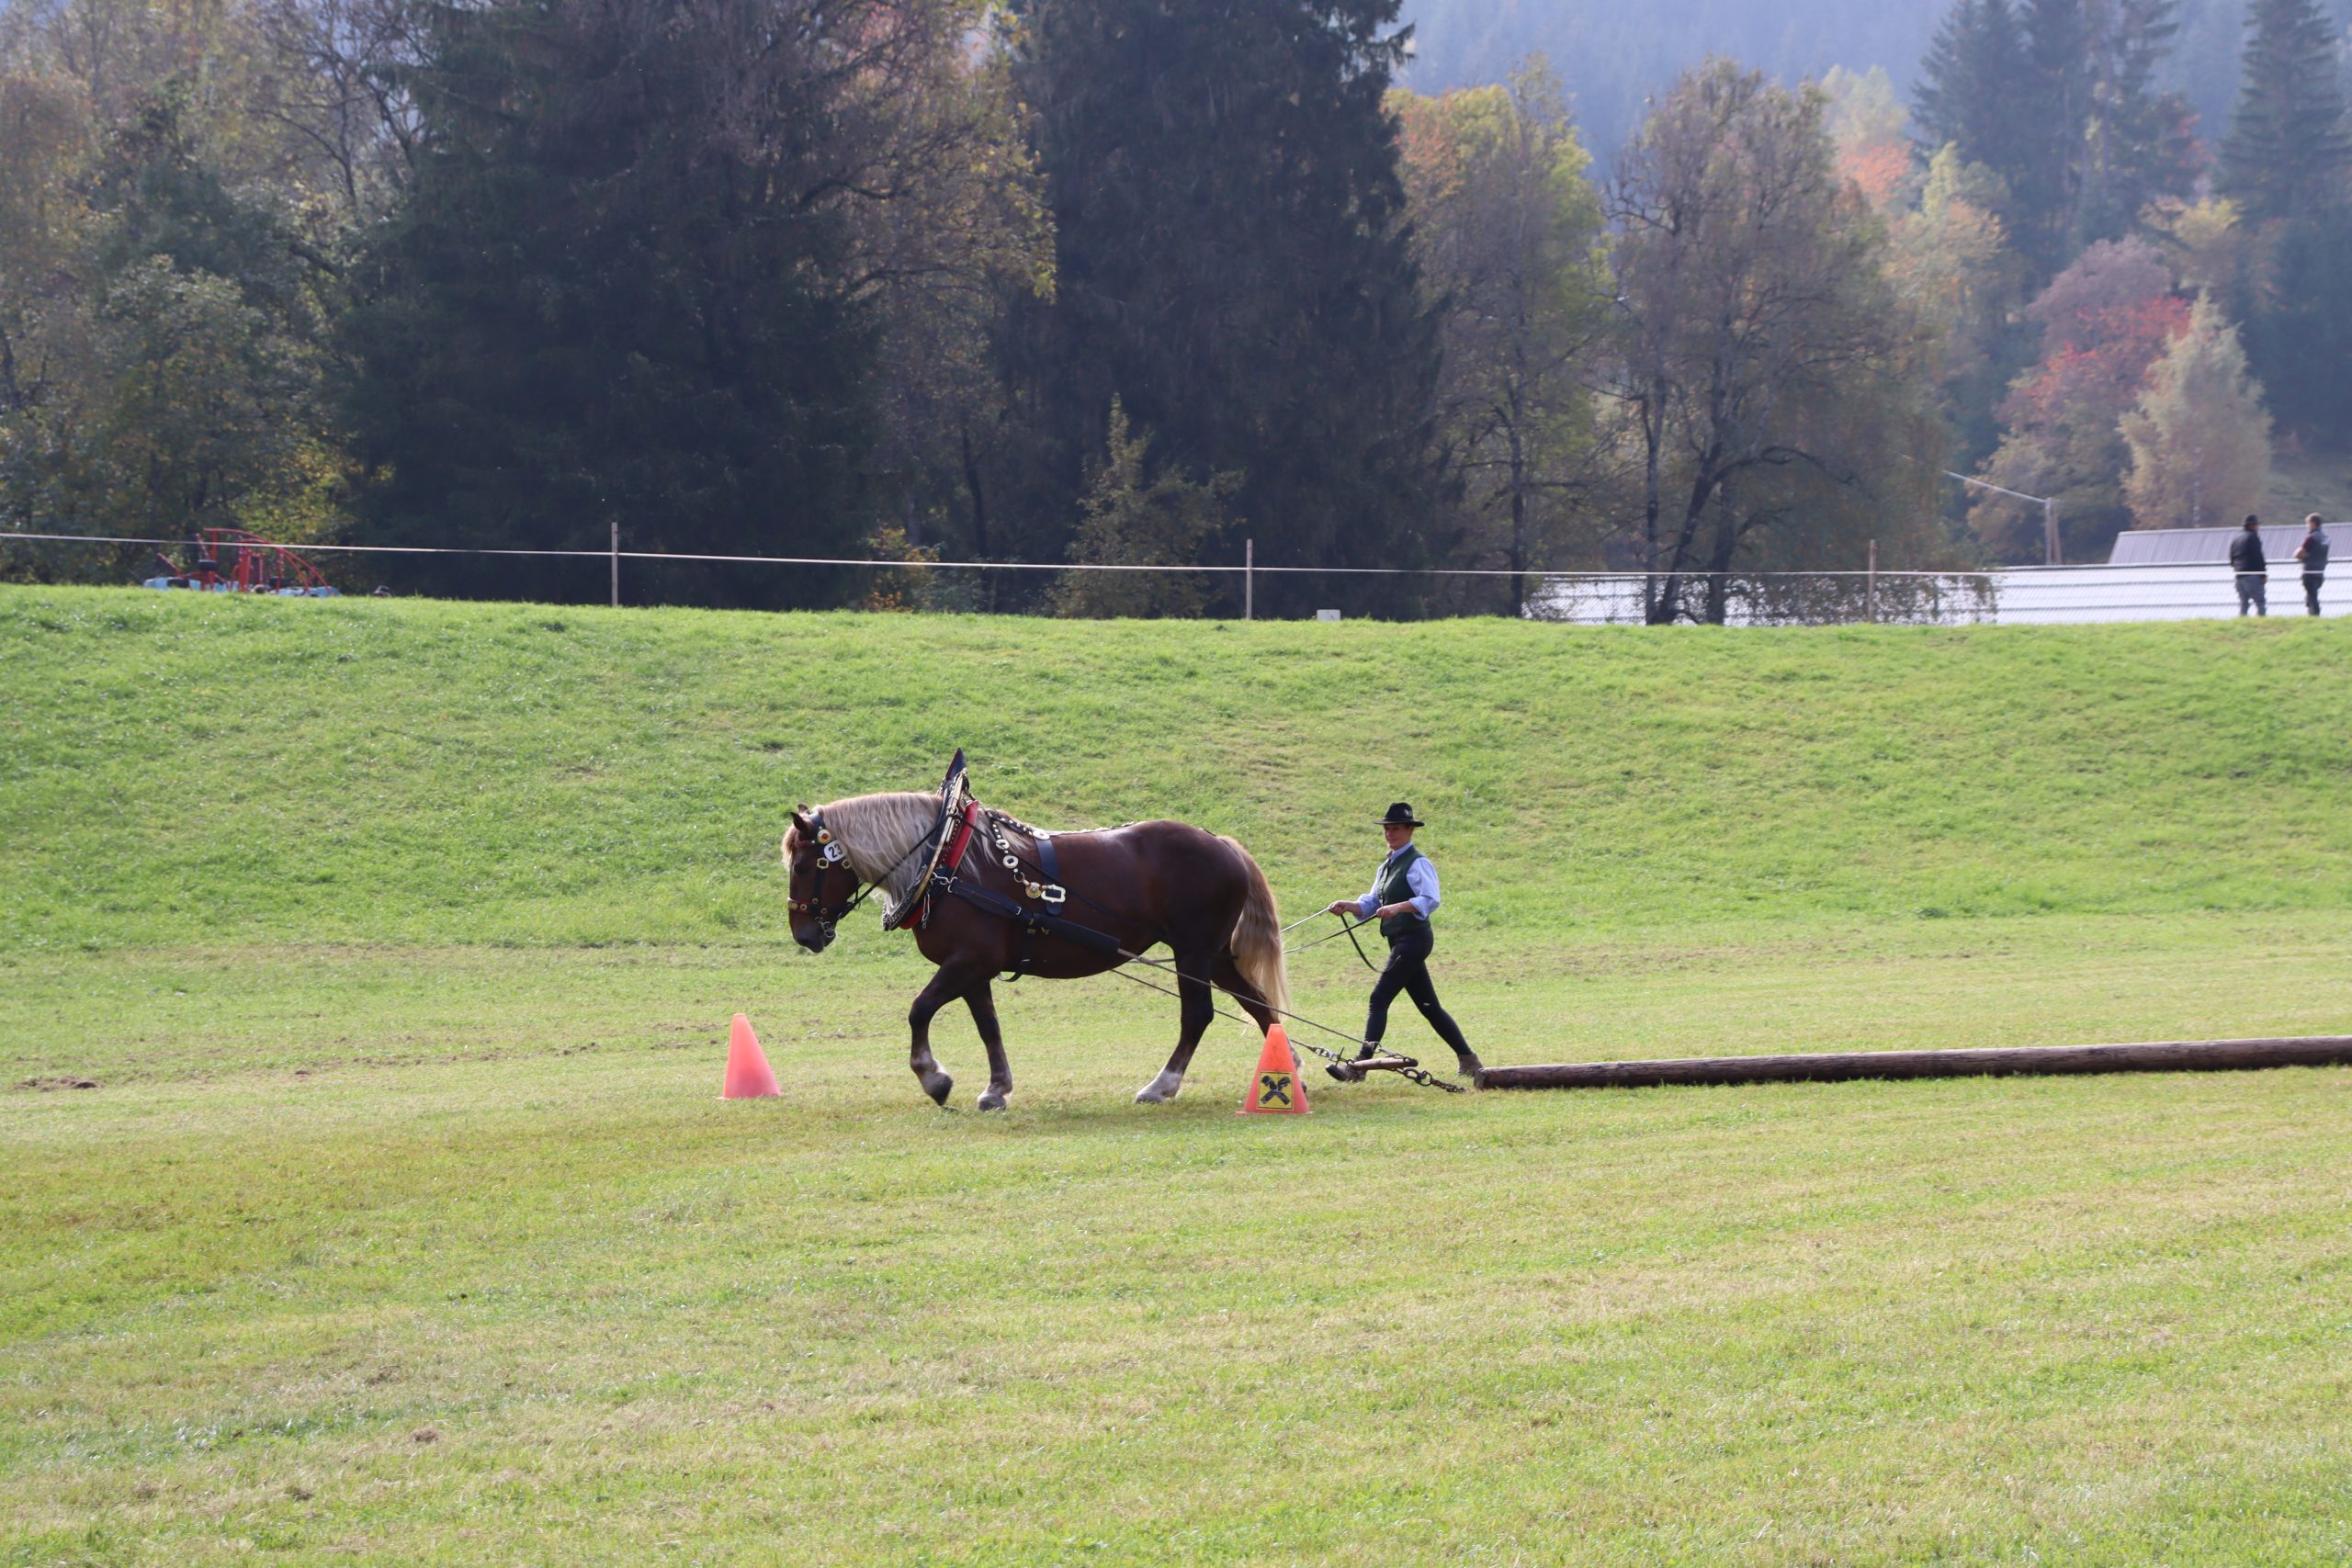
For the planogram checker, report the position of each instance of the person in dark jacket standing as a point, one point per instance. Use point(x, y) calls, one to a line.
point(2254, 571)
point(1403, 896)
point(2312, 553)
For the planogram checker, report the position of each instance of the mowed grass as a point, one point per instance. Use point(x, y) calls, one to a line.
point(404, 1225)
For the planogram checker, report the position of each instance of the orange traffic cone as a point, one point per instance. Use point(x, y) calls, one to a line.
point(1276, 1089)
point(748, 1077)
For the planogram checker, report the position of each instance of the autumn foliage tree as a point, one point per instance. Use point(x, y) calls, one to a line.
point(1768, 379)
point(1873, 134)
point(1507, 227)
point(2104, 322)
point(1951, 262)
point(2198, 439)
point(174, 376)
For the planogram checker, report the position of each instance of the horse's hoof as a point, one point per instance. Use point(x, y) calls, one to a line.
point(939, 1086)
point(1161, 1091)
point(992, 1100)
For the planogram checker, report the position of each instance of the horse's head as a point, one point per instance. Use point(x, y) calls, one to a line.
point(822, 886)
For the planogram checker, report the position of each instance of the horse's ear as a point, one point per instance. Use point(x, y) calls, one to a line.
point(802, 826)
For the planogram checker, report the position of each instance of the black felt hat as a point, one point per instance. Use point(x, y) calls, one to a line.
point(1401, 816)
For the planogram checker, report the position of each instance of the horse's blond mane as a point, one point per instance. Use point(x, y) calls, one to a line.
point(878, 833)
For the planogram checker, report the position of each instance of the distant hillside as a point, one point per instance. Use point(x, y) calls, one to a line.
point(2309, 480)
point(1612, 55)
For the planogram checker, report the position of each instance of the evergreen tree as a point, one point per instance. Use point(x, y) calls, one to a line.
point(2058, 97)
point(1973, 86)
point(2302, 340)
point(2141, 142)
point(2057, 110)
point(1233, 263)
point(2289, 146)
point(607, 298)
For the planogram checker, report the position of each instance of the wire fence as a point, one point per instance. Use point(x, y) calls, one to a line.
point(2012, 596)
point(2063, 595)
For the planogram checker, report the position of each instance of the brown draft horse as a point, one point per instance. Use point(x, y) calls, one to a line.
point(1148, 882)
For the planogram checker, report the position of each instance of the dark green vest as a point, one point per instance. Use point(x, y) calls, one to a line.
point(1394, 888)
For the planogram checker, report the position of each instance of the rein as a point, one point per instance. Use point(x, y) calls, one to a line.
point(1348, 931)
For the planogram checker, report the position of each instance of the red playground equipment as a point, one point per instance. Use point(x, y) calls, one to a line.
point(231, 560)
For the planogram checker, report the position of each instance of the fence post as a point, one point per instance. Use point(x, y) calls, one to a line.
point(616, 563)
point(2050, 535)
point(1249, 579)
point(1870, 599)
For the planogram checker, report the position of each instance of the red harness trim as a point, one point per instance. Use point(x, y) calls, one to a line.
point(919, 913)
point(963, 840)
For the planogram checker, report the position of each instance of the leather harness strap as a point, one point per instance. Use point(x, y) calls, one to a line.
point(1034, 922)
point(943, 870)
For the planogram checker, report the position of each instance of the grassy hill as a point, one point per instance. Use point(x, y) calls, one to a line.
point(398, 1220)
point(184, 770)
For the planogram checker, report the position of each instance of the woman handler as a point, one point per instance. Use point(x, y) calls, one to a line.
point(1403, 896)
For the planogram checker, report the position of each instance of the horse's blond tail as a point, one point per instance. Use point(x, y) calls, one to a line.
point(1258, 938)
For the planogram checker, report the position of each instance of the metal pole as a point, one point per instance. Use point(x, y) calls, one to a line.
point(1871, 605)
point(2050, 553)
point(616, 563)
point(1249, 579)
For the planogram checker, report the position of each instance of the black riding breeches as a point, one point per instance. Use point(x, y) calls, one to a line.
point(1408, 971)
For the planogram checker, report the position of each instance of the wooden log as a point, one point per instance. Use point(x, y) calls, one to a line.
point(2179, 1057)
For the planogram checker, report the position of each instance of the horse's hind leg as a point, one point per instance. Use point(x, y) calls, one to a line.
point(1199, 1008)
point(981, 999)
point(944, 987)
point(1229, 976)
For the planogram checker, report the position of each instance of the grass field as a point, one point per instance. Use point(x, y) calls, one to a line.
point(403, 1224)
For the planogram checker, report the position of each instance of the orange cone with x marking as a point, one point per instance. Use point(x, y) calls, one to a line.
point(1276, 1088)
point(748, 1077)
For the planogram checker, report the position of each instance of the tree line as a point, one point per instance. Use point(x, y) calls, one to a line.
point(1120, 281)
point(2138, 308)
point(1612, 55)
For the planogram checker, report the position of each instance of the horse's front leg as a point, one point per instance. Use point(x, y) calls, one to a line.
point(944, 987)
point(981, 999)
point(1198, 1008)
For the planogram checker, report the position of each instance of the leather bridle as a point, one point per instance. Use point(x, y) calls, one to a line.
point(833, 857)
